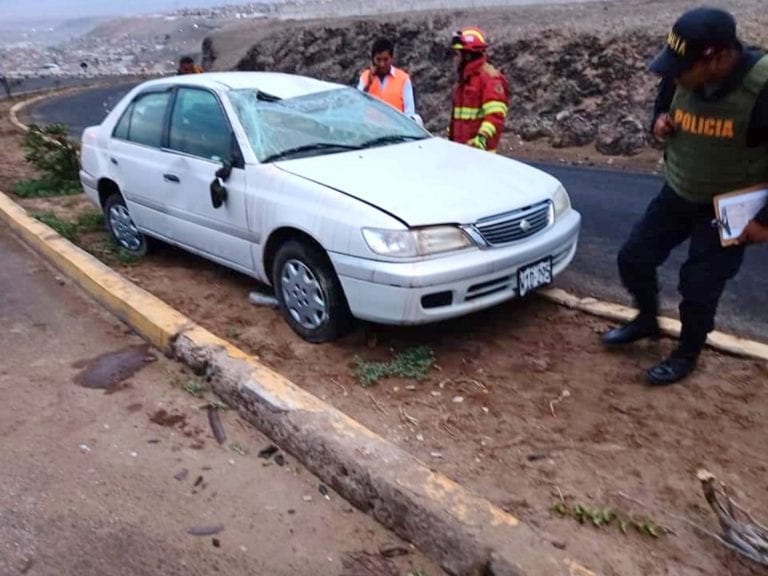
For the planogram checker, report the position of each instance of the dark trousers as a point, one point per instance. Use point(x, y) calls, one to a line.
point(668, 221)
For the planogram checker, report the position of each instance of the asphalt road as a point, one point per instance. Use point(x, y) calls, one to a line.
point(609, 201)
point(107, 462)
point(21, 86)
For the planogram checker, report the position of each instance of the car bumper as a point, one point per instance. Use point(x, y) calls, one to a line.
point(442, 288)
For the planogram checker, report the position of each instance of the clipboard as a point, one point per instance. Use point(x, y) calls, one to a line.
point(734, 210)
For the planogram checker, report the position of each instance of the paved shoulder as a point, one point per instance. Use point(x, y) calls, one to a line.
point(104, 474)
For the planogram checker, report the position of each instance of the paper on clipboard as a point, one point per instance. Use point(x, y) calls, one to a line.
point(735, 210)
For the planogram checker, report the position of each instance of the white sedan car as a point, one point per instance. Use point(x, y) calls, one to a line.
point(345, 206)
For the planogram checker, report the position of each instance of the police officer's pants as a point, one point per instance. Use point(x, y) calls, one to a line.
point(668, 221)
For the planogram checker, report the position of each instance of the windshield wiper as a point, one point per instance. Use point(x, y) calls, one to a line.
point(391, 139)
point(264, 97)
point(309, 148)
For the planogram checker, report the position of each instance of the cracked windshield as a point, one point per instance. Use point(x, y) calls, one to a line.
point(320, 123)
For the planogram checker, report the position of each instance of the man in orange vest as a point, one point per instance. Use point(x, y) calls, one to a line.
point(187, 66)
point(481, 94)
point(385, 82)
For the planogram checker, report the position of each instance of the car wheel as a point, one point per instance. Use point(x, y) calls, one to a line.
point(309, 292)
point(121, 227)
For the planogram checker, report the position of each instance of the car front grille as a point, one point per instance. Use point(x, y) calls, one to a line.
point(516, 225)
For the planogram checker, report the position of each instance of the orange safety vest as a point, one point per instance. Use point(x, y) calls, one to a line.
point(392, 91)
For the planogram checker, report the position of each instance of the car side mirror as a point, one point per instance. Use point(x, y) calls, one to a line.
point(218, 193)
point(225, 171)
point(418, 119)
point(218, 190)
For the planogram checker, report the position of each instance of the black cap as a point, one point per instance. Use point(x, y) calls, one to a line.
point(696, 34)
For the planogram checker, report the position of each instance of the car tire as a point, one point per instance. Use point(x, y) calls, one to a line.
point(121, 227)
point(309, 292)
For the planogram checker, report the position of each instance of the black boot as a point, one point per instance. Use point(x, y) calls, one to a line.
point(693, 336)
point(671, 370)
point(643, 326)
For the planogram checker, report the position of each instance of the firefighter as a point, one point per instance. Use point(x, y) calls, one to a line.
point(481, 94)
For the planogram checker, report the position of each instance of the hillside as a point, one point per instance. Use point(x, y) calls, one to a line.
point(576, 72)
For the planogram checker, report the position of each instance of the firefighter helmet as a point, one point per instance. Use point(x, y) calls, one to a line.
point(469, 40)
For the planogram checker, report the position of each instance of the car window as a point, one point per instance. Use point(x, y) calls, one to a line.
point(124, 125)
point(344, 117)
point(145, 119)
point(199, 126)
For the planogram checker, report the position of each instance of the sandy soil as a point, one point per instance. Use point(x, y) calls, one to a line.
point(525, 407)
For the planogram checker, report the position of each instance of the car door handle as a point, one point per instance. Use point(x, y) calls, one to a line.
point(113, 160)
point(171, 178)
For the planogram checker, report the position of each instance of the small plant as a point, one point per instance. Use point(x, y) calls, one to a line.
point(86, 222)
point(90, 222)
point(418, 572)
point(51, 151)
point(195, 386)
point(62, 227)
point(45, 188)
point(412, 363)
point(218, 405)
point(600, 517)
point(108, 252)
point(232, 333)
point(237, 448)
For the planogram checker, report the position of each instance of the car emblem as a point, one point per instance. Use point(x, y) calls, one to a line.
point(525, 225)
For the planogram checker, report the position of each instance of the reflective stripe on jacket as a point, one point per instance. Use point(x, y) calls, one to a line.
point(392, 91)
point(479, 104)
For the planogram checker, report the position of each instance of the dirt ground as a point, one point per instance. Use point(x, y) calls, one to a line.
point(524, 407)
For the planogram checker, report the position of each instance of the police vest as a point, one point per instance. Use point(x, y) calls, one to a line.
point(708, 154)
point(392, 91)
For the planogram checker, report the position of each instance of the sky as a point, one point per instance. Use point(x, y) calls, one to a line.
point(13, 9)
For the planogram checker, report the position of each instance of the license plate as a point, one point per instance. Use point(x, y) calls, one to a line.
point(534, 276)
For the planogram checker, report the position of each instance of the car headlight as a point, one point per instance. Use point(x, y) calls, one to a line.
point(560, 201)
point(416, 242)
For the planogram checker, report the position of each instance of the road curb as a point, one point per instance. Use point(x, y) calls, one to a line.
point(466, 534)
point(19, 106)
point(718, 340)
point(44, 93)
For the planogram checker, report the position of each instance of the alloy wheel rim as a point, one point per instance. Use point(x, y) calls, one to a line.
point(303, 295)
point(123, 228)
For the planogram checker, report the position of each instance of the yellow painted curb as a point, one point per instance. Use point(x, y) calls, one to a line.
point(19, 106)
point(669, 326)
point(45, 93)
point(129, 302)
point(467, 534)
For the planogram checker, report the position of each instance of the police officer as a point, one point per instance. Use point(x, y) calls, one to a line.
point(712, 112)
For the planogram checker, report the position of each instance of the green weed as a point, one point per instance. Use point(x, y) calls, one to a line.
point(413, 363)
point(62, 227)
point(195, 386)
point(52, 152)
point(46, 188)
point(90, 222)
point(86, 222)
point(110, 253)
point(600, 517)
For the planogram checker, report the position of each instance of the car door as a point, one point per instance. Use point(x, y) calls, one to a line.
point(137, 159)
point(200, 140)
